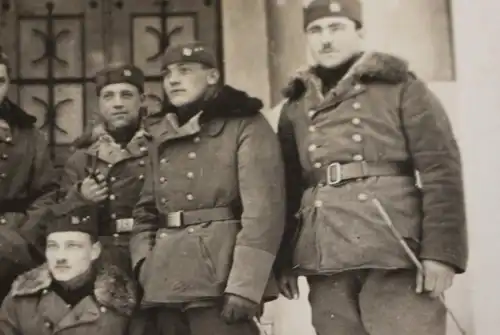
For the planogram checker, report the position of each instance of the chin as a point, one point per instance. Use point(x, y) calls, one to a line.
point(332, 62)
point(62, 275)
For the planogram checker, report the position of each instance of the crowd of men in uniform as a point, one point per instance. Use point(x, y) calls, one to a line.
point(187, 221)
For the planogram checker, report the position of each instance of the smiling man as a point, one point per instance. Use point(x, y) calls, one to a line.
point(71, 293)
point(354, 128)
point(108, 165)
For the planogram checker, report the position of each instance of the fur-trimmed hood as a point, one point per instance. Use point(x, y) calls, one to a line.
point(16, 116)
point(370, 67)
point(227, 103)
point(112, 288)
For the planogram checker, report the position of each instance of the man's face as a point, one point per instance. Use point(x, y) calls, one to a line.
point(4, 82)
point(333, 40)
point(185, 83)
point(70, 254)
point(120, 104)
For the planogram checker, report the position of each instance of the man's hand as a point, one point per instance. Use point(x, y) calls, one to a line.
point(289, 286)
point(237, 309)
point(436, 279)
point(94, 188)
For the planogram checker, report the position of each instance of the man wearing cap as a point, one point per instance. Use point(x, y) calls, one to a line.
point(71, 293)
point(27, 181)
point(354, 127)
point(211, 214)
point(108, 165)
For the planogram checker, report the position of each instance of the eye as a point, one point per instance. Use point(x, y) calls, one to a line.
point(184, 70)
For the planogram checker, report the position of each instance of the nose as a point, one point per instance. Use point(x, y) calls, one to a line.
point(118, 102)
point(173, 79)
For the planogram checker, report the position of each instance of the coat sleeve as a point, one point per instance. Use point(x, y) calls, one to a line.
point(261, 185)
point(294, 188)
point(9, 323)
point(43, 186)
point(72, 176)
point(435, 155)
point(146, 218)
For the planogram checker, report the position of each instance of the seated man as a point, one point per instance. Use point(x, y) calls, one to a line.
point(71, 293)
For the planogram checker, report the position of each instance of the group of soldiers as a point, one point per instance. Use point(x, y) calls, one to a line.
point(187, 221)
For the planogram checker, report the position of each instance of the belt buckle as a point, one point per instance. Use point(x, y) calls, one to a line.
point(124, 225)
point(175, 219)
point(334, 174)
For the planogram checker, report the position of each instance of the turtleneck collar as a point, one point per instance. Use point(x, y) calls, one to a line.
point(74, 290)
point(331, 76)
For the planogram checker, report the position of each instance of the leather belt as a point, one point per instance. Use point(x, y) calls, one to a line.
point(181, 219)
point(117, 226)
point(337, 173)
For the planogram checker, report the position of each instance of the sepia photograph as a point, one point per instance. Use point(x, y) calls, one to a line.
point(249, 167)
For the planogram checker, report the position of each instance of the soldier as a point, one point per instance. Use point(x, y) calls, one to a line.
point(354, 128)
point(27, 182)
point(71, 293)
point(211, 213)
point(107, 167)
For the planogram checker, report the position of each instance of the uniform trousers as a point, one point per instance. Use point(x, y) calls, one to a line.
point(373, 302)
point(198, 321)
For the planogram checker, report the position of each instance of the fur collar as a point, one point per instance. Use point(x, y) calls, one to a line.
point(98, 132)
point(112, 288)
point(16, 116)
point(370, 67)
point(227, 103)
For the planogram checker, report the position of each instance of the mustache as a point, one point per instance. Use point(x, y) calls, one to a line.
point(327, 48)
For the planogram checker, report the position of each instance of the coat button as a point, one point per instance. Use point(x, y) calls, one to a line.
point(143, 149)
point(163, 180)
point(112, 197)
point(8, 139)
point(318, 203)
point(190, 230)
point(356, 121)
point(190, 175)
point(356, 105)
point(357, 138)
point(192, 155)
point(362, 197)
point(110, 166)
point(357, 157)
point(312, 147)
point(3, 220)
point(112, 179)
point(357, 87)
point(47, 324)
point(141, 177)
point(142, 163)
point(115, 235)
point(45, 292)
point(3, 175)
point(317, 165)
point(189, 196)
point(113, 216)
point(197, 139)
point(163, 161)
point(163, 201)
point(312, 129)
point(103, 309)
point(311, 113)
point(5, 156)
point(163, 235)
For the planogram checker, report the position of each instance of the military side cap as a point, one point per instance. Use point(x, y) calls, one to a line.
point(122, 73)
point(319, 9)
point(81, 219)
point(194, 52)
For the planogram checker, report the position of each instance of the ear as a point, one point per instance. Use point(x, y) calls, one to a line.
point(361, 32)
point(96, 250)
point(213, 76)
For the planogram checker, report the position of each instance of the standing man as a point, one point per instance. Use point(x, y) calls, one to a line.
point(108, 165)
point(27, 182)
point(71, 293)
point(354, 128)
point(211, 214)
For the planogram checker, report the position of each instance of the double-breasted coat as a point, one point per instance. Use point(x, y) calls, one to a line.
point(124, 170)
point(378, 113)
point(33, 308)
point(226, 158)
point(27, 184)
